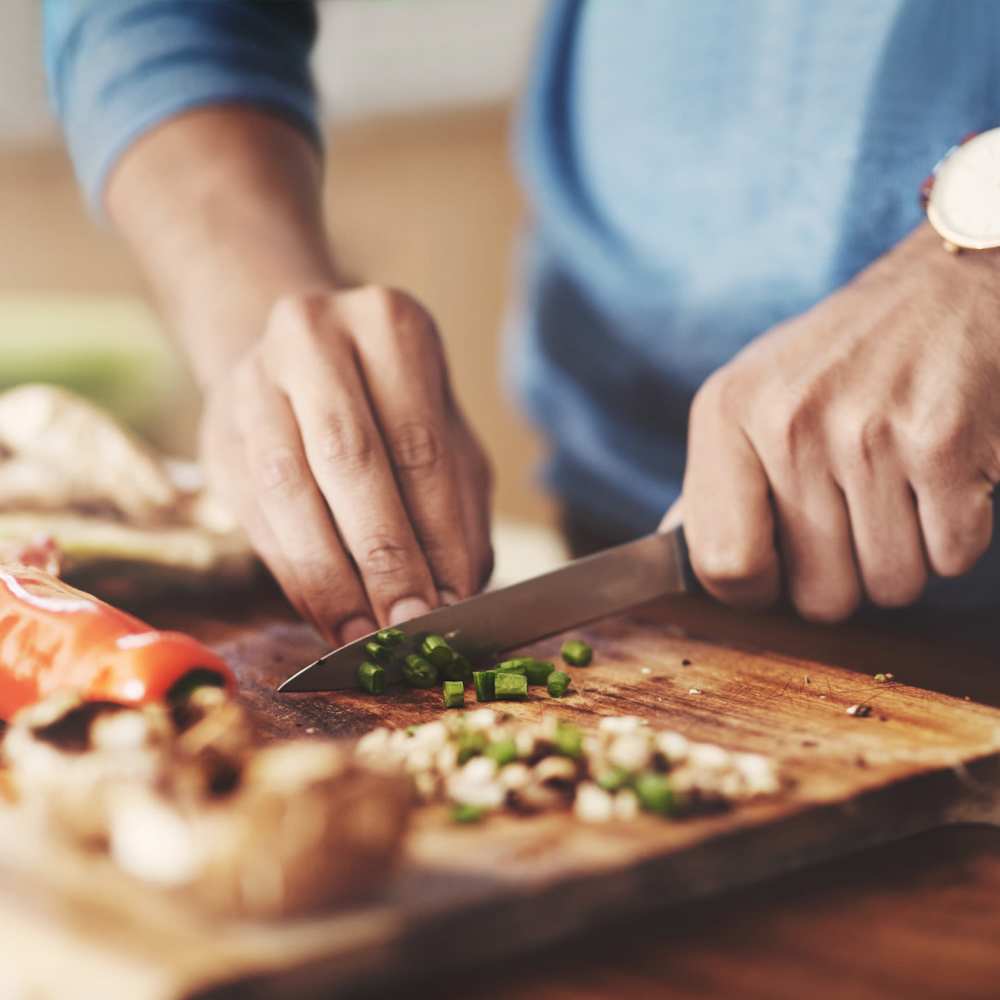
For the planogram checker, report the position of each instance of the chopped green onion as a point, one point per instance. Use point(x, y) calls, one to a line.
point(484, 681)
point(437, 650)
point(418, 672)
point(462, 812)
point(453, 693)
point(655, 793)
point(569, 740)
point(471, 743)
point(512, 667)
point(371, 677)
point(390, 636)
point(510, 687)
point(576, 653)
point(376, 652)
point(502, 751)
point(558, 684)
point(459, 669)
point(538, 671)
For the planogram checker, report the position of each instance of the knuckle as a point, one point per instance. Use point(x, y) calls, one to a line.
point(864, 440)
point(791, 424)
point(281, 470)
point(346, 442)
point(383, 556)
point(416, 446)
point(937, 449)
point(326, 591)
point(397, 311)
point(300, 315)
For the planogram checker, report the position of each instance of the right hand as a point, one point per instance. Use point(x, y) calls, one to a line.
point(337, 442)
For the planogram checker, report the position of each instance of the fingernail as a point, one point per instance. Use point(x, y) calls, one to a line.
point(407, 608)
point(355, 628)
point(448, 596)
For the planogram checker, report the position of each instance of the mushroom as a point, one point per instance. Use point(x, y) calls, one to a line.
point(307, 827)
point(65, 755)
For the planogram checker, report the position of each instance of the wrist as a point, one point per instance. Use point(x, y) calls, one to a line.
point(222, 208)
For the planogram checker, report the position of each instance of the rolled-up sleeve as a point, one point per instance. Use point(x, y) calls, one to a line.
point(117, 68)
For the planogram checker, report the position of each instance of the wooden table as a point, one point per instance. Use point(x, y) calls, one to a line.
point(920, 918)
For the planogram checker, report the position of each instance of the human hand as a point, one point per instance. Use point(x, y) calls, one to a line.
point(854, 449)
point(337, 442)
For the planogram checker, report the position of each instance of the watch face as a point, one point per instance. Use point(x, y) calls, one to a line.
point(964, 205)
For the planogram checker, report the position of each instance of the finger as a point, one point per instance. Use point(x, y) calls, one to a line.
point(887, 540)
point(954, 499)
point(224, 458)
point(729, 523)
point(345, 453)
point(957, 525)
point(403, 369)
point(814, 532)
point(476, 488)
point(312, 566)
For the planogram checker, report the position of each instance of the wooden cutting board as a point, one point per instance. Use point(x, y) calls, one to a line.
point(925, 756)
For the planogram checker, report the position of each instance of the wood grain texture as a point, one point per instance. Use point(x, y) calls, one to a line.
point(922, 759)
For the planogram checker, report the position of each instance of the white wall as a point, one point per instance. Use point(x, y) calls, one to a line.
point(373, 56)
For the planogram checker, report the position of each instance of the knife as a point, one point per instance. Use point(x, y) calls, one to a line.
point(581, 591)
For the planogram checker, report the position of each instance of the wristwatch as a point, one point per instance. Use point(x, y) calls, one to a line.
point(962, 194)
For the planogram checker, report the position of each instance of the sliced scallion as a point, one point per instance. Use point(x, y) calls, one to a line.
point(510, 687)
point(419, 672)
point(485, 684)
point(371, 677)
point(558, 684)
point(390, 636)
point(437, 650)
point(453, 693)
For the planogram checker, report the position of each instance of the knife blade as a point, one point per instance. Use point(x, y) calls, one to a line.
point(581, 591)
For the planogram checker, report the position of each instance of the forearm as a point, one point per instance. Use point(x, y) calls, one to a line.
point(222, 207)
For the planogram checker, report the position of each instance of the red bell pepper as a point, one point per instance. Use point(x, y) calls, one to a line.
point(54, 637)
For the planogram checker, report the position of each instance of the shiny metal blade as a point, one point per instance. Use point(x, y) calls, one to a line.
point(581, 591)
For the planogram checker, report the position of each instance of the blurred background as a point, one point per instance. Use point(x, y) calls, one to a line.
point(420, 193)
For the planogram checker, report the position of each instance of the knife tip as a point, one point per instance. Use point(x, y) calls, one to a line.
point(297, 682)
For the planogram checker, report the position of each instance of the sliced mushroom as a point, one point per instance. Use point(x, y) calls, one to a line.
point(307, 828)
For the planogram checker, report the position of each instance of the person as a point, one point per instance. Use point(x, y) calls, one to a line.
point(732, 307)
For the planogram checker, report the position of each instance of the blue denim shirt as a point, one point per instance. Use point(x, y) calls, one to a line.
point(698, 171)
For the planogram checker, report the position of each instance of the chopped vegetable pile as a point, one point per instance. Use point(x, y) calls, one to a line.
point(433, 661)
point(481, 762)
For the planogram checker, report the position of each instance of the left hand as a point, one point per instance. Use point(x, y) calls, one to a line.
point(851, 451)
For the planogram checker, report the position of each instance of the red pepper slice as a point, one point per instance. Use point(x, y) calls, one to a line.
point(54, 637)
